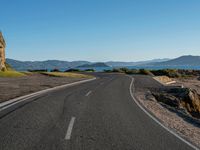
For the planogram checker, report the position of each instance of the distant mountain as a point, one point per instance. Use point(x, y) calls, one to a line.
point(124, 64)
point(63, 65)
point(93, 65)
point(187, 60)
point(49, 64)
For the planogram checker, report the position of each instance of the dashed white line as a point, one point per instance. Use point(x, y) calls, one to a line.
point(70, 127)
point(101, 83)
point(88, 93)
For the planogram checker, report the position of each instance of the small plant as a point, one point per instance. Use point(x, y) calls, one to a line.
point(38, 70)
point(145, 72)
point(89, 70)
point(172, 73)
point(55, 70)
point(107, 71)
point(117, 70)
point(73, 70)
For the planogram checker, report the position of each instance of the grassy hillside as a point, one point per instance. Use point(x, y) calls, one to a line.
point(11, 74)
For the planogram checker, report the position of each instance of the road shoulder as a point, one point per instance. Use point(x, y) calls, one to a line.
point(168, 118)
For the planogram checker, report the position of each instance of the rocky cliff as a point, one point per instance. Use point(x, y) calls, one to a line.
point(2, 53)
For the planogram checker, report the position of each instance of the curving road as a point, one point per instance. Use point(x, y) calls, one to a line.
point(97, 115)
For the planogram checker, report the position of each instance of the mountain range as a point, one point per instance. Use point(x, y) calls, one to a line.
point(49, 64)
point(187, 60)
point(92, 65)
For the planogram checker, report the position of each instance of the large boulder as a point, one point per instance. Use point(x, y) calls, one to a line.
point(2, 53)
point(167, 99)
point(185, 98)
point(191, 100)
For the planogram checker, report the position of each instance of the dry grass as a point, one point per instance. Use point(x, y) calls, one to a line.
point(11, 74)
point(66, 74)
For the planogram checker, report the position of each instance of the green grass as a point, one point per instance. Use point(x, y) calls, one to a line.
point(66, 74)
point(11, 74)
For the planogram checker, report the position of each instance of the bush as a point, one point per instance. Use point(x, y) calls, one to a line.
point(55, 70)
point(38, 70)
point(107, 71)
point(117, 70)
point(124, 70)
point(172, 73)
point(73, 70)
point(145, 72)
point(89, 70)
point(132, 71)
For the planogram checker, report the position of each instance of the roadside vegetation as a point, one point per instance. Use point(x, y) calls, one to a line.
point(171, 73)
point(71, 73)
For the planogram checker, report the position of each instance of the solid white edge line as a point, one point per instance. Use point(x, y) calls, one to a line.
point(88, 93)
point(70, 127)
point(25, 97)
point(156, 120)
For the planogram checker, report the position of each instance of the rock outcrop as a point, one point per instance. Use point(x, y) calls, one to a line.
point(185, 98)
point(2, 53)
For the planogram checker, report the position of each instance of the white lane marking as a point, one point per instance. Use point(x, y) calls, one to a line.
point(14, 101)
point(156, 120)
point(70, 127)
point(101, 83)
point(88, 93)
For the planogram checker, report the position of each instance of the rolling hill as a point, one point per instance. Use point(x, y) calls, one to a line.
point(93, 65)
point(187, 60)
point(49, 64)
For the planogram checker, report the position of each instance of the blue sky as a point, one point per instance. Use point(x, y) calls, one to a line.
point(100, 30)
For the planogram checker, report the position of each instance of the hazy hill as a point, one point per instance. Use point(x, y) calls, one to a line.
point(124, 64)
point(63, 65)
point(93, 65)
point(187, 60)
point(49, 64)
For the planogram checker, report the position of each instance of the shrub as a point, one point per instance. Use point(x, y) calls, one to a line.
point(89, 70)
point(73, 70)
point(117, 70)
point(124, 70)
point(107, 71)
point(145, 72)
point(132, 71)
point(38, 70)
point(55, 70)
point(172, 73)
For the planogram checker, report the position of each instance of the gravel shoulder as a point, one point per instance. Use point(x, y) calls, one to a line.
point(183, 124)
point(19, 86)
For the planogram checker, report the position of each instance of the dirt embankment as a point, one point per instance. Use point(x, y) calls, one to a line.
point(180, 98)
point(15, 87)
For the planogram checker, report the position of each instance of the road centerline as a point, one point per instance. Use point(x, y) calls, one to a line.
point(88, 93)
point(70, 128)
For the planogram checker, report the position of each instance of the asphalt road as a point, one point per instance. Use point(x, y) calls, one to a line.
point(98, 115)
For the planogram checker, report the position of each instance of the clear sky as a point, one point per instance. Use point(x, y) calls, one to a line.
point(100, 30)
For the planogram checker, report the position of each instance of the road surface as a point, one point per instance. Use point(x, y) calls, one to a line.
point(97, 115)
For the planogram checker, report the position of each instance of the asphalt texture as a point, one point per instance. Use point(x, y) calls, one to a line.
point(102, 116)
